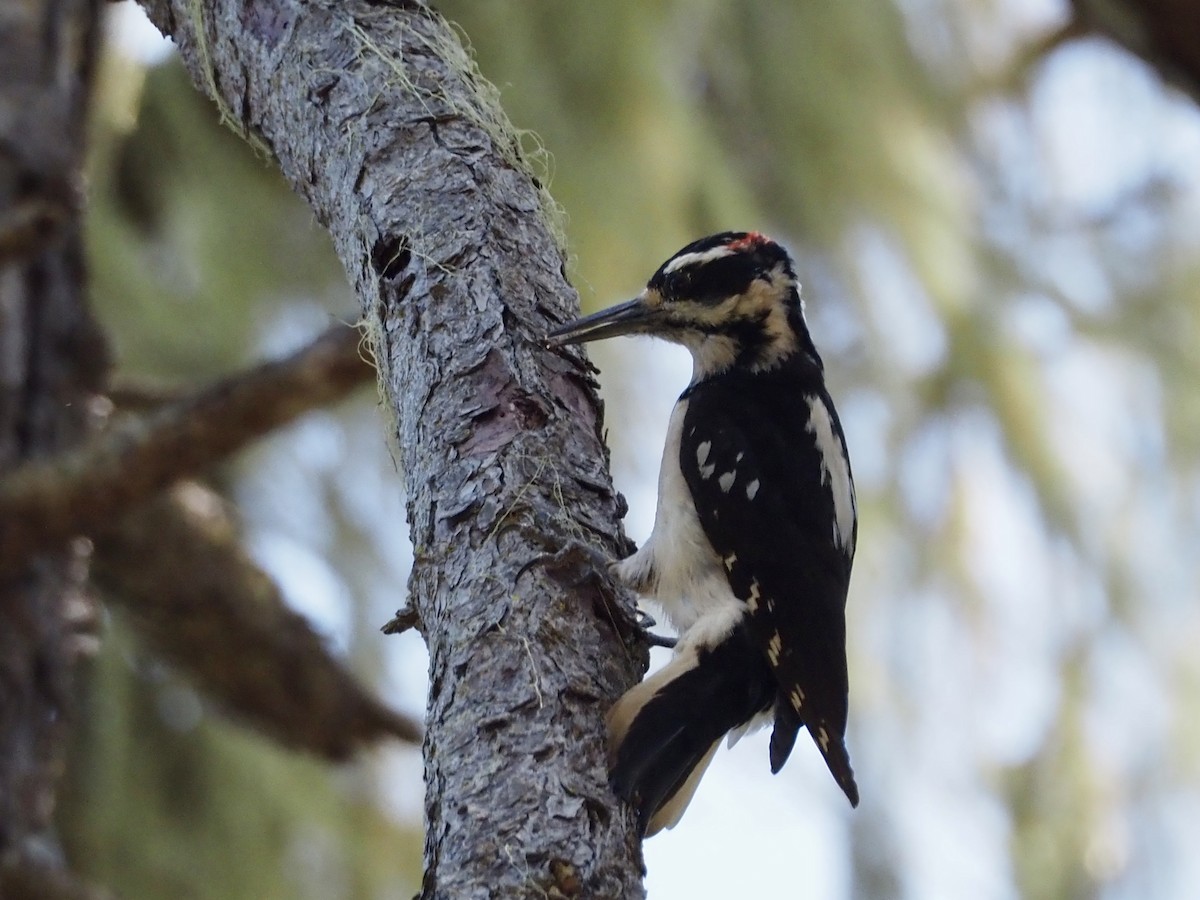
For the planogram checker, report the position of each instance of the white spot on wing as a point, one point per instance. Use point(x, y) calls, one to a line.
point(726, 481)
point(752, 489)
point(774, 648)
point(752, 600)
point(835, 471)
point(702, 451)
point(730, 560)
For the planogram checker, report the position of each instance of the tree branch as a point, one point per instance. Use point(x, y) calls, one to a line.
point(26, 878)
point(28, 227)
point(83, 489)
point(378, 118)
point(178, 568)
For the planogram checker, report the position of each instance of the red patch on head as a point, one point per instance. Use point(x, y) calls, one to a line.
point(750, 241)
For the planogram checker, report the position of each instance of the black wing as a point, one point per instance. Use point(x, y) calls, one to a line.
point(757, 459)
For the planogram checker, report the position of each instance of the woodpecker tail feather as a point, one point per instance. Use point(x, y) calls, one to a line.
point(783, 738)
point(833, 748)
point(838, 761)
point(663, 732)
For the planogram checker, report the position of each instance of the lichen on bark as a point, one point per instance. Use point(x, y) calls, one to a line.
point(377, 117)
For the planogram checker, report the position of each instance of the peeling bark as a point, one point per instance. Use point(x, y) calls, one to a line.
point(377, 118)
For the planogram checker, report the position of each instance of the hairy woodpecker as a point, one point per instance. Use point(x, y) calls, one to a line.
point(754, 533)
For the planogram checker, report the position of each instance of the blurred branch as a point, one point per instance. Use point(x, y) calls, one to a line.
point(177, 567)
point(26, 228)
point(134, 396)
point(24, 878)
point(82, 489)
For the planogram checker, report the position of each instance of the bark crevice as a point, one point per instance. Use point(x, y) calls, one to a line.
point(450, 242)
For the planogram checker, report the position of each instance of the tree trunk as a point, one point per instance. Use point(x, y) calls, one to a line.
point(377, 117)
point(52, 361)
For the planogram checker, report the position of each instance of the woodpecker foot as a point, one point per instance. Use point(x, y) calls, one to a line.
point(659, 640)
point(645, 622)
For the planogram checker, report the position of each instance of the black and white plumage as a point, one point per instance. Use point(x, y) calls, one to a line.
point(755, 530)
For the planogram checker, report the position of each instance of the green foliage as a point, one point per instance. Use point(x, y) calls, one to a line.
point(168, 800)
point(186, 226)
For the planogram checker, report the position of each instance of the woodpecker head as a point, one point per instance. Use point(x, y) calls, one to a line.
point(732, 299)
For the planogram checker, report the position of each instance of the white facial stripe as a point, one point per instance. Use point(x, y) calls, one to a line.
point(835, 471)
point(703, 256)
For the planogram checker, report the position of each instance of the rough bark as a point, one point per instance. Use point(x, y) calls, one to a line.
point(52, 359)
point(82, 490)
point(375, 116)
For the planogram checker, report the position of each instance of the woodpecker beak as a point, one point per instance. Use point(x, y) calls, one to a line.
point(625, 318)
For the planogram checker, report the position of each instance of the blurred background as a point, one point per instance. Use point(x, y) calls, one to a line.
point(997, 223)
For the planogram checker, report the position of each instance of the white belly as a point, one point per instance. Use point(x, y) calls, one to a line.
point(677, 567)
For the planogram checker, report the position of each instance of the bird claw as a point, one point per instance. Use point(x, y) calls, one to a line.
point(645, 622)
point(659, 640)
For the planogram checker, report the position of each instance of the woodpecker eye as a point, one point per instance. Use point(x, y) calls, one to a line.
point(678, 285)
point(723, 278)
